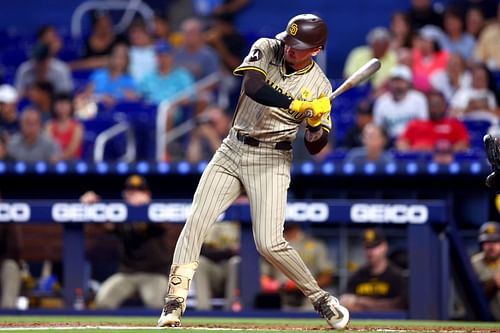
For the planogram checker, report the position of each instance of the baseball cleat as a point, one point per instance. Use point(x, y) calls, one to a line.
point(336, 315)
point(171, 313)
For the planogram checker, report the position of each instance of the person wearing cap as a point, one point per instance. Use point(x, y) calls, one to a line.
point(364, 115)
point(167, 80)
point(143, 255)
point(428, 56)
point(43, 67)
point(394, 109)
point(379, 285)
point(426, 134)
point(378, 46)
point(9, 122)
point(486, 264)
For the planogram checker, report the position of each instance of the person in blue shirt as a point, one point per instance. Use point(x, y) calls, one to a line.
point(113, 83)
point(166, 81)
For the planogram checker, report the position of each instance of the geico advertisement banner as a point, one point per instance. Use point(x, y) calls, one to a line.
point(332, 211)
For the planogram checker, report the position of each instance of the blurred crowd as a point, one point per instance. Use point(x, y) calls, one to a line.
point(435, 96)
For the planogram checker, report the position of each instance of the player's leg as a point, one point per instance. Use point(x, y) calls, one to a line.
point(114, 291)
point(266, 181)
point(148, 285)
point(10, 279)
point(217, 189)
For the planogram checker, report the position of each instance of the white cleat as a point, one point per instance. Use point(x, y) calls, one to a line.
point(336, 315)
point(171, 313)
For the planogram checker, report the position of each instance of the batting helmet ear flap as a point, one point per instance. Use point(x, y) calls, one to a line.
point(305, 31)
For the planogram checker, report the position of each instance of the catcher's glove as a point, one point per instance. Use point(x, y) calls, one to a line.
point(492, 148)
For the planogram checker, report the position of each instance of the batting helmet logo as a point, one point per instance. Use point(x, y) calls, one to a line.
point(293, 29)
point(305, 31)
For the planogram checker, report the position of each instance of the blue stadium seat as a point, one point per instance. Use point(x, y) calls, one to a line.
point(477, 129)
point(470, 155)
point(93, 127)
point(412, 155)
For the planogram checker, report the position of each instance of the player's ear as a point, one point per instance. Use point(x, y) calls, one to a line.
point(315, 51)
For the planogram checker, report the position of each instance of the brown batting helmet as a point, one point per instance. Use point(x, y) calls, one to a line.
point(305, 31)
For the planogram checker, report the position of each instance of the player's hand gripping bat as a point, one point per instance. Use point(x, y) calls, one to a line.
point(363, 73)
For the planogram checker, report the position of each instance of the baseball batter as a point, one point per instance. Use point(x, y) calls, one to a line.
point(281, 82)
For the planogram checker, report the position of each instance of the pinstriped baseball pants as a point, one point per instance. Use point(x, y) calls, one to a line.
point(264, 174)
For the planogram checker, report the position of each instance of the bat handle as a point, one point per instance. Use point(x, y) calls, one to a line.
point(308, 113)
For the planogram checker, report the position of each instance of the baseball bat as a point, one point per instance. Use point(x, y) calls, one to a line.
point(363, 73)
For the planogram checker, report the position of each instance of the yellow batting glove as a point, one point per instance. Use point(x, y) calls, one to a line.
point(300, 106)
point(320, 106)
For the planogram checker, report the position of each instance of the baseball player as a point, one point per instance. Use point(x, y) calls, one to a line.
point(281, 84)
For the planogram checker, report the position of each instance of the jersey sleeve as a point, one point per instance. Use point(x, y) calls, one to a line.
point(258, 58)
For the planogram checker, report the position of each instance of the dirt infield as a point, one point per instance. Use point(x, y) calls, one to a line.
point(8, 326)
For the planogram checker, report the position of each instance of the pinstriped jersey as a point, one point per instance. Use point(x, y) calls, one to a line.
point(272, 124)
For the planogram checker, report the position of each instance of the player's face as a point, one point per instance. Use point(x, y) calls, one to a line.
point(299, 59)
point(136, 197)
point(491, 250)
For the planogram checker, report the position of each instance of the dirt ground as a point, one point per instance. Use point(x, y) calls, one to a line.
point(268, 327)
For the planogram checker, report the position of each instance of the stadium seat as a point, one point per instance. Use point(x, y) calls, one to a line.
point(477, 129)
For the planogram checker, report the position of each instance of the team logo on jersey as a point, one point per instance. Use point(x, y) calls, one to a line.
point(305, 93)
point(255, 55)
point(294, 28)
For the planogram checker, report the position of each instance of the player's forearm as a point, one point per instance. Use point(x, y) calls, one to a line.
point(255, 87)
point(315, 140)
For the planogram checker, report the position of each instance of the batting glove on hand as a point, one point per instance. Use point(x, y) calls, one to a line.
point(320, 106)
point(300, 106)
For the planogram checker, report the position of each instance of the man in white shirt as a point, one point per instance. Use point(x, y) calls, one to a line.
point(396, 108)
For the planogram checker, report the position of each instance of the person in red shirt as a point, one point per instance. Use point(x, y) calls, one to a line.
point(65, 129)
point(426, 135)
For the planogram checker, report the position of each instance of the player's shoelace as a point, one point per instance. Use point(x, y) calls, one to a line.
point(326, 311)
point(173, 305)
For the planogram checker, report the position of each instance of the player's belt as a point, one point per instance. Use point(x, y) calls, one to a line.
point(248, 140)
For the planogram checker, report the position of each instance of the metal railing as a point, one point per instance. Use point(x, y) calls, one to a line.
point(130, 8)
point(105, 136)
point(164, 109)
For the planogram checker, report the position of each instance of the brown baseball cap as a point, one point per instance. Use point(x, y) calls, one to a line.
point(489, 232)
point(136, 182)
point(305, 31)
point(373, 237)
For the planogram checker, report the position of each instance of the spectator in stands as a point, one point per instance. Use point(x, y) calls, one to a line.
point(474, 22)
point(487, 7)
point(379, 285)
point(9, 123)
point(455, 77)
point(423, 12)
point(429, 134)
point(48, 35)
point(99, 45)
point(194, 54)
point(31, 144)
point(315, 255)
point(218, 268)
point(3, 146)
point(162, 32)
point(480, 99)
point(43, 67)
point(113, 83)
point(401, 31)
point(378, 40)
point(144, 259)
point(142, 51)
point(375, 141)
point(364, 116)
point(396, 108)
point(428, 56)
point(65, 129)
point(10, 269)
point(457, 40)
point(486, 264)
point(41, 97)
point(167, 81)
point(487, 47)
point(212, 127)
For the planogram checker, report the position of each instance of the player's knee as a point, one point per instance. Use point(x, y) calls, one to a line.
point(267, 249)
